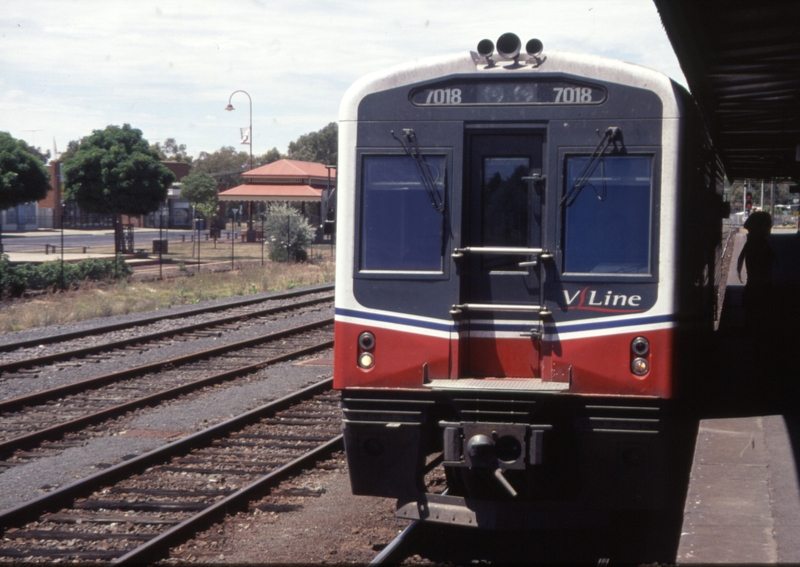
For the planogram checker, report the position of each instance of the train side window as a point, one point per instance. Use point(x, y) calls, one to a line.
point(400, 228)
point(608, 228)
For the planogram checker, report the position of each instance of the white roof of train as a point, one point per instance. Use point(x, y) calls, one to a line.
point(582, 65)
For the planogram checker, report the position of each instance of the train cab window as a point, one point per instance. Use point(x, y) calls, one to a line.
point(607, 228)
point(401, 229)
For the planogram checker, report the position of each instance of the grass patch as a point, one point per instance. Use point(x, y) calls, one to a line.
point(104, 300)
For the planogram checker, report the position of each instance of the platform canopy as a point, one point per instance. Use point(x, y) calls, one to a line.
point(742, 63)
point(283, 180)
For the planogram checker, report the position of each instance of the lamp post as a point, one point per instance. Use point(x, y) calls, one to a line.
point(249, 143)
point(161, 241)
point(233, 235)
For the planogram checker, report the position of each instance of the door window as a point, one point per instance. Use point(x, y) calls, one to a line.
point(505, 209)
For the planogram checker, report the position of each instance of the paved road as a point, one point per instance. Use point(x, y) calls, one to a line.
point(35, 241)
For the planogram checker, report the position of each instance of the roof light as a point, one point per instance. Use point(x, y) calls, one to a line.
point(508, 46)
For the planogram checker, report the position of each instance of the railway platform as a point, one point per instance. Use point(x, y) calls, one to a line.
point(743, 502)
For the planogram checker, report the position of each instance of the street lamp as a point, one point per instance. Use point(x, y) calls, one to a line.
point(250, 143)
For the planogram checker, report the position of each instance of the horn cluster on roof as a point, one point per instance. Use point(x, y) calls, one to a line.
point(508, 49)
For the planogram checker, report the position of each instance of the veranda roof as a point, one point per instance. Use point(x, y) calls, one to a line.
point(264, 192)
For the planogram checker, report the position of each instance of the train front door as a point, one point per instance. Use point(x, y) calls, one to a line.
point(500, 255)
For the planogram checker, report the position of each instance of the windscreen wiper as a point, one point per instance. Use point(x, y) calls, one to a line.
point(612, 136)
point(411, 147)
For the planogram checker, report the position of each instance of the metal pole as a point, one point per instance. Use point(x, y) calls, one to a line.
point(772, 198)
point(744, 200)
point(762, 194)
point(233, 234)
point(161, 243)
point(62, 256)
point(197, 222)
point(250, 139)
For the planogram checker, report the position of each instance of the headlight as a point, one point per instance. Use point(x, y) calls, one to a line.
point(640, 366)
point(366, 360)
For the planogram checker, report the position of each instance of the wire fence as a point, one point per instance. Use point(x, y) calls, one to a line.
point(156, 250)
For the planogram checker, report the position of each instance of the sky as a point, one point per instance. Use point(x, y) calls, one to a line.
point(169, 67)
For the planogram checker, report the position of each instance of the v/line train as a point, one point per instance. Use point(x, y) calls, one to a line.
point(525, 271)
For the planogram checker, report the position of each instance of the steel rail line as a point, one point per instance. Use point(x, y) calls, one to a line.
point(57, 430)
point(156, 547)
point(122, 343)
point(61, 337)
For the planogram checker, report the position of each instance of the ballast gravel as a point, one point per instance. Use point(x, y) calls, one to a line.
point(12, 386)
point(148, 428)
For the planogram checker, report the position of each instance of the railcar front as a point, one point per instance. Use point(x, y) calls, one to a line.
point(507, 292)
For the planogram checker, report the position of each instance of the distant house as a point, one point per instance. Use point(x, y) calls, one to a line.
point(308, 184)
point(33, 216)
point(178, 210)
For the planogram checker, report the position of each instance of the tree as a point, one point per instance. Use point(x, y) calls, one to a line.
point(200, 189)
point(114, 171)
point(226, 165)
point(72, 149)
point(269, 157)
point(43, 157)
point(23, 177)
point(171, 151)
point(321, 146)
point(288, 232)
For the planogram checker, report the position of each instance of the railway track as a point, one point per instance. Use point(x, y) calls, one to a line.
point(135, 511)
point(24, 355)
point(28, 420)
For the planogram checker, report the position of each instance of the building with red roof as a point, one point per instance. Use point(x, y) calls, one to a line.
point(307, 183)
point(283, 180)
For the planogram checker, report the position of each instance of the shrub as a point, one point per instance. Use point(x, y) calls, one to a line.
point(15, 280)
point(288, 232)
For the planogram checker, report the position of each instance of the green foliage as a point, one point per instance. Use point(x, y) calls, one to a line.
point(200, 189)
point(226, 165)
point(269, 157)
point(288, 233)
point(114, 171)
point(43, 157)
point(172, 151)
point(15, 280)
point(23, 177)
point(321, 146)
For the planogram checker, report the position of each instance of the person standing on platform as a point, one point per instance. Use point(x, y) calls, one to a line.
point(758, 257)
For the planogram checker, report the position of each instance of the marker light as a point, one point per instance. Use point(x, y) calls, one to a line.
point(640, 366)
point(366, 340)
point(534, 47)
point(366, 360)
point(485, 47)
point(508, 46)
point(640, 346)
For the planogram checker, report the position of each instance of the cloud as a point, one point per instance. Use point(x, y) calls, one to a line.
point(167, 68)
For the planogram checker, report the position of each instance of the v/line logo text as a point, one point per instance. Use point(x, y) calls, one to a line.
point(609, 302)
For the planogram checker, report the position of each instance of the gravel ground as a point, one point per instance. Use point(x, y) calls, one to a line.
point(149, 428)
point(309, 519)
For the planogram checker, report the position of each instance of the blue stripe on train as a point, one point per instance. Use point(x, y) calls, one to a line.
point(510, 327)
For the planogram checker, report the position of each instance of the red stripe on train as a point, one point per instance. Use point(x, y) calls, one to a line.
point(593, 365)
